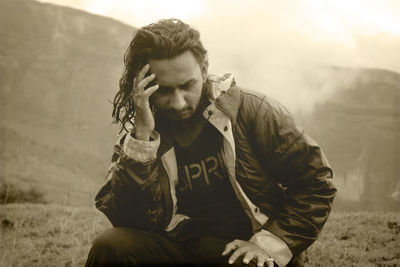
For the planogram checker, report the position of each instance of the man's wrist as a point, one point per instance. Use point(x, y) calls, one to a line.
point(142, 135)
point(141, 150)
point(274, 246)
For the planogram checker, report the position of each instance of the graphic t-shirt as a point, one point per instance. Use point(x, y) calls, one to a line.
point(204, 191)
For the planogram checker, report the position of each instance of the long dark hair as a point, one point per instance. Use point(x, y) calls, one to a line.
point(166, 38)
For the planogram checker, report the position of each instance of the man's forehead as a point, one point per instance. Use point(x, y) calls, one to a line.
point(174, 78)
point(175, 71)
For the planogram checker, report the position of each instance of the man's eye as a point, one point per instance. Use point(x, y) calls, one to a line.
point(163, 90)
point(186, 86)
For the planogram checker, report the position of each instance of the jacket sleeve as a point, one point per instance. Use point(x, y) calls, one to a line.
point(300, 166)
point(132, 195)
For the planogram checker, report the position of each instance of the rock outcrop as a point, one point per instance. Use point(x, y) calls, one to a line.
point(359, 129)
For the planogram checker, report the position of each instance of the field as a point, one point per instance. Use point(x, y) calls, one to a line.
point(52, 235)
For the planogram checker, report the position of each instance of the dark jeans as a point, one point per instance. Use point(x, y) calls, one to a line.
point(127, 247)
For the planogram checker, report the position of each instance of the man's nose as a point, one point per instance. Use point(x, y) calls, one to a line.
point(177, 100)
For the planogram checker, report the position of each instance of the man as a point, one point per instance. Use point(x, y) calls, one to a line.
point(209, 172)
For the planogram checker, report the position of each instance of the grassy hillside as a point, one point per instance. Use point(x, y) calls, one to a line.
point(59, 68)
point(47, 235)
point(52, 235)
point(64, 176)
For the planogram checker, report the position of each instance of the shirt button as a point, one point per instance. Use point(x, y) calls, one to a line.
point(226, 128)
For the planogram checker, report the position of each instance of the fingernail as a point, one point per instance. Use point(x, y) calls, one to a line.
point(245, 261)
point(230, 261)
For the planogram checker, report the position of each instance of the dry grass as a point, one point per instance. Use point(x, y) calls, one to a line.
point(51, 235)
point(48, 235)
point(358, 239)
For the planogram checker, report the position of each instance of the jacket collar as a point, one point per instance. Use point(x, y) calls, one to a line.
point(226, 94)
point(223, 94)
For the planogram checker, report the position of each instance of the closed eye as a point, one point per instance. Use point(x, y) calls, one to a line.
point(188, 84)
point(164, 89)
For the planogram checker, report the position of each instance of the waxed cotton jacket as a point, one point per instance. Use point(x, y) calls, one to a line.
point(279, 174)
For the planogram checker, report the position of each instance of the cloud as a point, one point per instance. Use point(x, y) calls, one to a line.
point(271, 46)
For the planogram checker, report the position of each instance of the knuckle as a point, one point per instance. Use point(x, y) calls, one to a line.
point(241, 251)
point(236, 254)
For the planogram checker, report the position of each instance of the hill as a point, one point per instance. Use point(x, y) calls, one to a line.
point(358, 126)
point(59, 68)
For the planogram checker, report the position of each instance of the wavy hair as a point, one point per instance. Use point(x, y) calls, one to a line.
point(163, 39)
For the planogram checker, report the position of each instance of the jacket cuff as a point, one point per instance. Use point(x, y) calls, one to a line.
point(139, 150)
point(275, 247)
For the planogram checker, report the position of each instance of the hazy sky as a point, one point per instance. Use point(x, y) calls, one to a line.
point(269, 44)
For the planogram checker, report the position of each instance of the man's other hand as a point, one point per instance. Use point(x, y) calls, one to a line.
point(249, 250)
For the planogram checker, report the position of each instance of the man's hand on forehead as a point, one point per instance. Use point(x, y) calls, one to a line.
point(144, 119)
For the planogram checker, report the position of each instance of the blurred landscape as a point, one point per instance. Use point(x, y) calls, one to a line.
point(59, 70)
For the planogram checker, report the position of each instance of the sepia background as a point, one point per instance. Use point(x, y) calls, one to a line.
point(334, 64)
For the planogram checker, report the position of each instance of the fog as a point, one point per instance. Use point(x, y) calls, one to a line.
point(269, 46)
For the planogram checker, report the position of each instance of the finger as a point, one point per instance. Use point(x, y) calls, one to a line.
point(239, 252)
point(248, 257)
point(143, 72)
point(135, 89)
point(134, 81)
point(270, 263)
point(261, 261)
point(230, 246)
point(143, 83)
point(149, 91)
